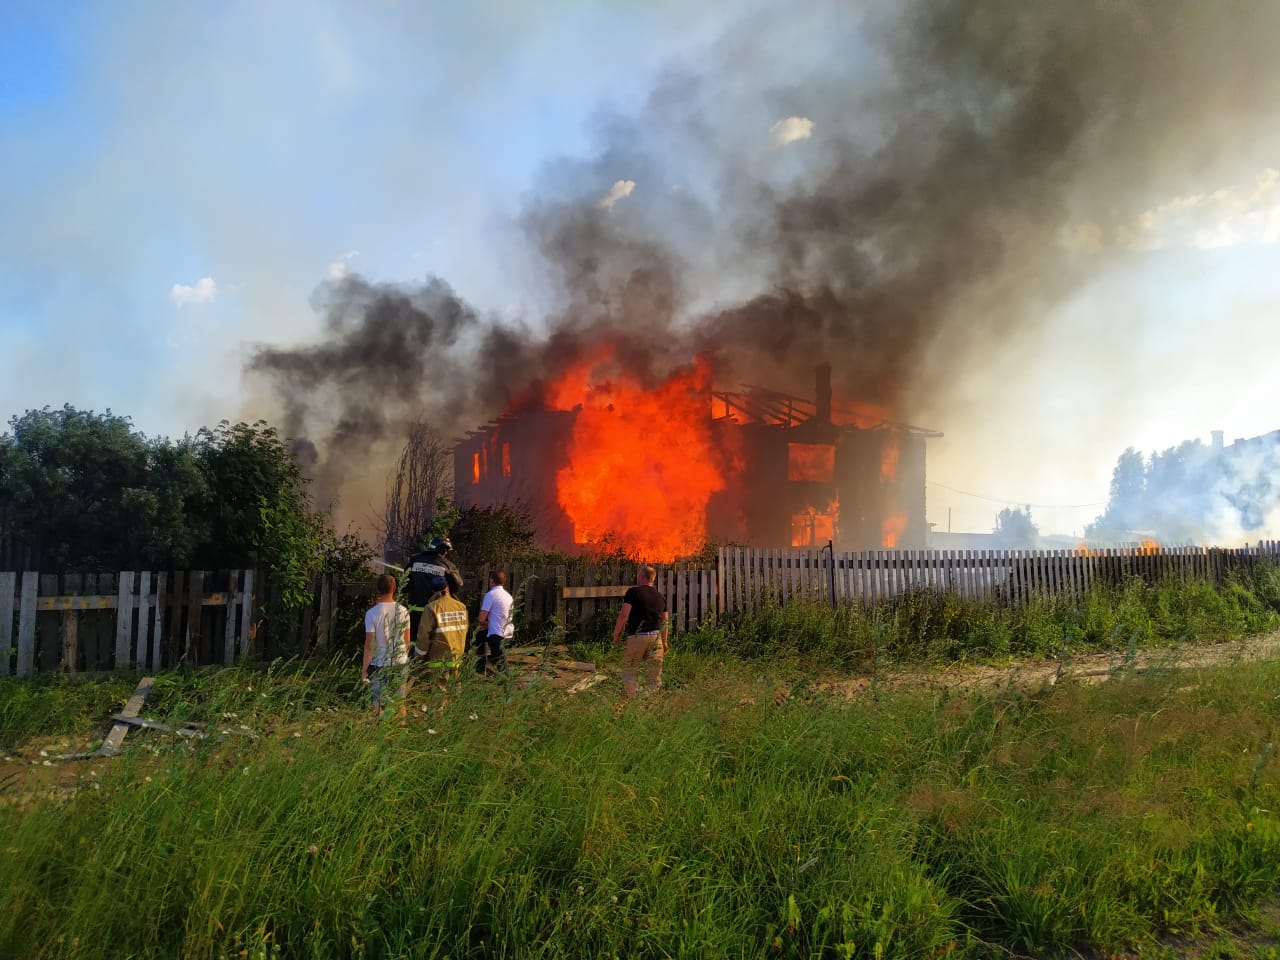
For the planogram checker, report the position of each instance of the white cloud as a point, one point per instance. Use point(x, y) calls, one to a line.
point(620, 189)
point(1227, 217)
point(203, 291)
point(339, 268)
point(790, 130)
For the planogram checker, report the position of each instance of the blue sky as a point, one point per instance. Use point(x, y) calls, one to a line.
point(146, 146)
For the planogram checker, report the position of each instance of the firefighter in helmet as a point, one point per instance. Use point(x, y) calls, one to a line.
point(430, 571)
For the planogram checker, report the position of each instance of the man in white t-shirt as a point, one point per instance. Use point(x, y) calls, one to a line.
point(495, 625)
point(386, 646)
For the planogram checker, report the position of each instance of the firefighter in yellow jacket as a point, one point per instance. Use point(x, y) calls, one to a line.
point(443, 630)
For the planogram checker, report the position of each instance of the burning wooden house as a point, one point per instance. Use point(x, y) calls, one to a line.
point(664, 470)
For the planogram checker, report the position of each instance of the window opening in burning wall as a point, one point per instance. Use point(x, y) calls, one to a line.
point(475, 467)
point(811, 461)
point(812, 529)
point(506, 459)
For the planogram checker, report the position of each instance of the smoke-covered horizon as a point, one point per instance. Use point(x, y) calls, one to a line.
point(897, 206)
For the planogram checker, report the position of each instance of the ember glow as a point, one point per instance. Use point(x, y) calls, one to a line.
point(891, 529)
point(642, 464)
point(889, 456)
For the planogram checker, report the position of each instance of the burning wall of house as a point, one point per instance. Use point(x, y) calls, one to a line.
point(659, 472)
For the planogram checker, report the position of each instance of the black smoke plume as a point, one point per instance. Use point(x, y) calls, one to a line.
point(953, 142)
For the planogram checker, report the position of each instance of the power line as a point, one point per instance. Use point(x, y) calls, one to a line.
point(1019, 503)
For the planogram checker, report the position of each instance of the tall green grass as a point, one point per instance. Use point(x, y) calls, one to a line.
point(926, 626)
point(708, 822)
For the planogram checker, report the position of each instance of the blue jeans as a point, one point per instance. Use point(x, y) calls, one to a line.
point(382, 677)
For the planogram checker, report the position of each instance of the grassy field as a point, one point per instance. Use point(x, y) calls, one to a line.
point(717, 820)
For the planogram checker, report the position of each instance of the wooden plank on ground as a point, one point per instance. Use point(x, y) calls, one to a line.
point(27, 624)
point(124, 619)
point(8, 586)
point(115, 738)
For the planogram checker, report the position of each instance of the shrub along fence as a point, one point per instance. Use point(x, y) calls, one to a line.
point(155, 620)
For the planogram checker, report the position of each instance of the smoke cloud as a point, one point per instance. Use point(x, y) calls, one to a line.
point(947, 147)
point(1196, 493)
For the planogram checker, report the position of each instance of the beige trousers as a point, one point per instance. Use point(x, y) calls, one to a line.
point(649, 648)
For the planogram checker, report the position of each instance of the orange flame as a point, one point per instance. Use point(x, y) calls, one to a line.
point(1145, 548)
point(813, 528)
point(642, 461)
point(889, 455)
point(891, 529)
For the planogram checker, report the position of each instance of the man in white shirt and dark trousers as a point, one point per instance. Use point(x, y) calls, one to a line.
point(495, 625)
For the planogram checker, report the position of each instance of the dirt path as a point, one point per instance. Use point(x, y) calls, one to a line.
point(1087, 668)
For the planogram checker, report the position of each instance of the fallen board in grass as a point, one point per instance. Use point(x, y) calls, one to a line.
point(532, 661)
point(114, 739)
point(186, 730)
point(536, 651)
point(578, 665)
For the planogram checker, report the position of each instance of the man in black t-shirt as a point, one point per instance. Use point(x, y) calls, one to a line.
point(645, 618)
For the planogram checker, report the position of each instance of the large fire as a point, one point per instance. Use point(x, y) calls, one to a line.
point(642, 461)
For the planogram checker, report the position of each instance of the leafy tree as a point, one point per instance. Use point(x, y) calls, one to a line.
point(1015, 529)
point(86, 491)
point(1126, 506)
point(256, 497)
point(485, 536)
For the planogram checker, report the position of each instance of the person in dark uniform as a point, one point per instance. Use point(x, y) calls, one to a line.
point(430, 571)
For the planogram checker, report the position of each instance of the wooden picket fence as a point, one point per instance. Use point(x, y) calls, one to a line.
point(748, 577)
point(157, 620)
point(690, 590)
point(144, 620)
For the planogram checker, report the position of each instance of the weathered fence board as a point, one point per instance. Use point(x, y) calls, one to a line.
point(71, 622)
point(8, 583)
